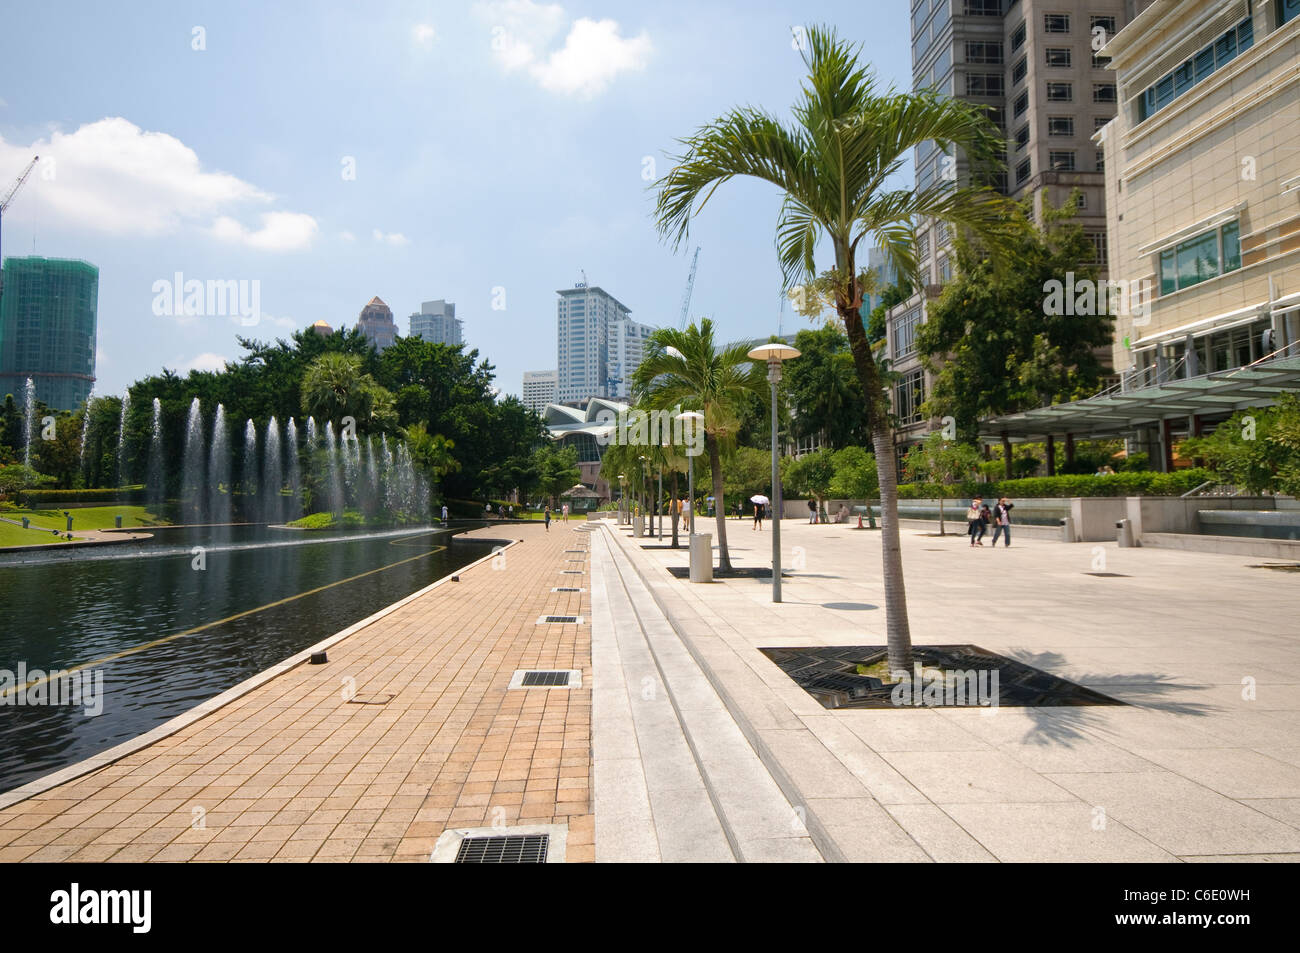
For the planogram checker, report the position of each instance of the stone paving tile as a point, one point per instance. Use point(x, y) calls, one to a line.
point(292, 771)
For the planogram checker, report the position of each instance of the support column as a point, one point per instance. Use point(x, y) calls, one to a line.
point(1006, 455)
point(1051, 455)
point(1069, 450)
point(1166, 446)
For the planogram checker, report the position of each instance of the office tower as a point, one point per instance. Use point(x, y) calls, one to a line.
point(539, 389)
point(322, 328)
point(436, 321)
point(377, 324)
point(47, 329)
point(1033, 65)
point(594, 344)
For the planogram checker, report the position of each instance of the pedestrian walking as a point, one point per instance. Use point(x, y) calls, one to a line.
point(566, 512)
point(546, 515)
point(973, 521)
point(812, 512)
point(758, 516)
point(1002, 521)
point(986, 517)
point(444, 512)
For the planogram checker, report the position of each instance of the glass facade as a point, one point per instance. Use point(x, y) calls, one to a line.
point(1213, 57)
point(1198, 259)
point(48, 317)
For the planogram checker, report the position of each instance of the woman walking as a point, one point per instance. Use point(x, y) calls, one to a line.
point(973, 521)
point(758, 516)
point(547, 517)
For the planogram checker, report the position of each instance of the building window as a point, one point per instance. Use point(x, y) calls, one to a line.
point(1061, 161)
point(1099, 61)
point(1098, 122)
point(945, 270)
point(923, 245)
point(982, 8)
point(1056, 23)
point(1058, 58)
point(1021, 105)
point(1060, 125)
point(1022, 137)
point(940, 234)
point(905, 334)
point(1103, 92)
point(1099, 256)
point(1287, 10)
point(984, 84)
point(1018, 37)
point(1194, 70)
point(983, 52)
point(1198, 259)
point(1081, 201)
point(1060, 92)
point(1022, 172)
point(909, 395)
point(1100, 160)
point(1106, 23)
point(1019, 70)
point(997, 115)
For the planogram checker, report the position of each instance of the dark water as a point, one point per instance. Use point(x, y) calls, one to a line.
point(65, 612)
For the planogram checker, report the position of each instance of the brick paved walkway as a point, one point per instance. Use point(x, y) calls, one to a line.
point(431, 739)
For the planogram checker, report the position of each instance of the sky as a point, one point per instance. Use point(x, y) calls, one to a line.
point(321, 154)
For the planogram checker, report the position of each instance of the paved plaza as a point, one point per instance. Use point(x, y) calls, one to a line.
point(686, 743)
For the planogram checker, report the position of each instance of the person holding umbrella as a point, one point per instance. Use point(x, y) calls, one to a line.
point(759, 501)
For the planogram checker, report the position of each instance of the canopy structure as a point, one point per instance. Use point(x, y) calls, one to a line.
point(1215, 395)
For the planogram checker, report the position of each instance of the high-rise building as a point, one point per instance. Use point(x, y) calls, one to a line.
point(595, 340)
point(47, 329)
point(377, 324)
point(436, 321)
point(322, 328)
point(1034, 66)
point(539, 389)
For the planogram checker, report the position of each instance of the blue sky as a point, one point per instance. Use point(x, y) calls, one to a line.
point(496, 145)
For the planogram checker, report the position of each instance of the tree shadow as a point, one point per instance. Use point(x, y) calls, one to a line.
point(1068, 724)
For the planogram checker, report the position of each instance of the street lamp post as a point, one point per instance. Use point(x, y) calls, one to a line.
point(693, 419)
point(622, 497)
point(774, 354)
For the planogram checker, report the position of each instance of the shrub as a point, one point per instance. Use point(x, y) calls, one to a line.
point(56, 498)
point(1146, 483)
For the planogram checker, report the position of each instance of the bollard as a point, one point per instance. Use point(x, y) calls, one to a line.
point(117, 521)
point(1125, 536)
point(1067, 530)
point(701, 548)
point(69, 516)
point(27, 524)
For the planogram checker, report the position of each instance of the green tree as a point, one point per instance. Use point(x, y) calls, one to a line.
point(992, 337)
point(835, 164)
point(823, 388)
point(432, 452)
point(59, 457)
point(687, 370)
point(939, 463)
point(1258, 449)
point(335, 386)
point(855, 475)
point(811, 474)
point(557, 470)
point(747, 471)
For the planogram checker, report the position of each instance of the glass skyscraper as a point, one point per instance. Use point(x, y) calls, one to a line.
point(47, 329)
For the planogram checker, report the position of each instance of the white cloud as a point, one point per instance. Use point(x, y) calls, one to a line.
point(391, 238)
point(423, 34)
point(593, 54)
point(112, 176)
point(264, 320)
point(346, 236)
point(280, 231)
point(207, 361)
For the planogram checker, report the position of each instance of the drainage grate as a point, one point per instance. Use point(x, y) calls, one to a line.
point(1108, 575)
point(575, 551)
point(545, 679)
point(567, 589)
point(559, 620)
point(1280, 567)
point(521, 849)
point(571, 572)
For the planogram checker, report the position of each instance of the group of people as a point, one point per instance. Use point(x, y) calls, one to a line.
point(979, 516)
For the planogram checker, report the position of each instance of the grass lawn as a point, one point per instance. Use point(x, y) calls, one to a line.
point(89, 517)
point(11, 535)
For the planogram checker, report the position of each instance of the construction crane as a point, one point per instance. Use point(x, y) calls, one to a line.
point(690, 288)
point(5, 201)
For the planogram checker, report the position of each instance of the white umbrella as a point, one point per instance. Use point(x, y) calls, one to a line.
point(759, 498)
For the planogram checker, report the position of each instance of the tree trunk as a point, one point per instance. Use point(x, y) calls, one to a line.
point(715, 466)
point(676, 513)
point(898, 632)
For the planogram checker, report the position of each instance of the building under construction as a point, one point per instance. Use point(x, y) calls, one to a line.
point(47, 329)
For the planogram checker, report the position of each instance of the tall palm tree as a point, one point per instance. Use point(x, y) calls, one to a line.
point(834, 163)
point(686, 370)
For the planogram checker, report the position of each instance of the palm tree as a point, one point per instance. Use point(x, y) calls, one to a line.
point(685, 370)
point(834, 164)
point(335, 386)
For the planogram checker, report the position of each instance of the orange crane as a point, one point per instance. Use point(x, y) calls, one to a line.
point(6, 200)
